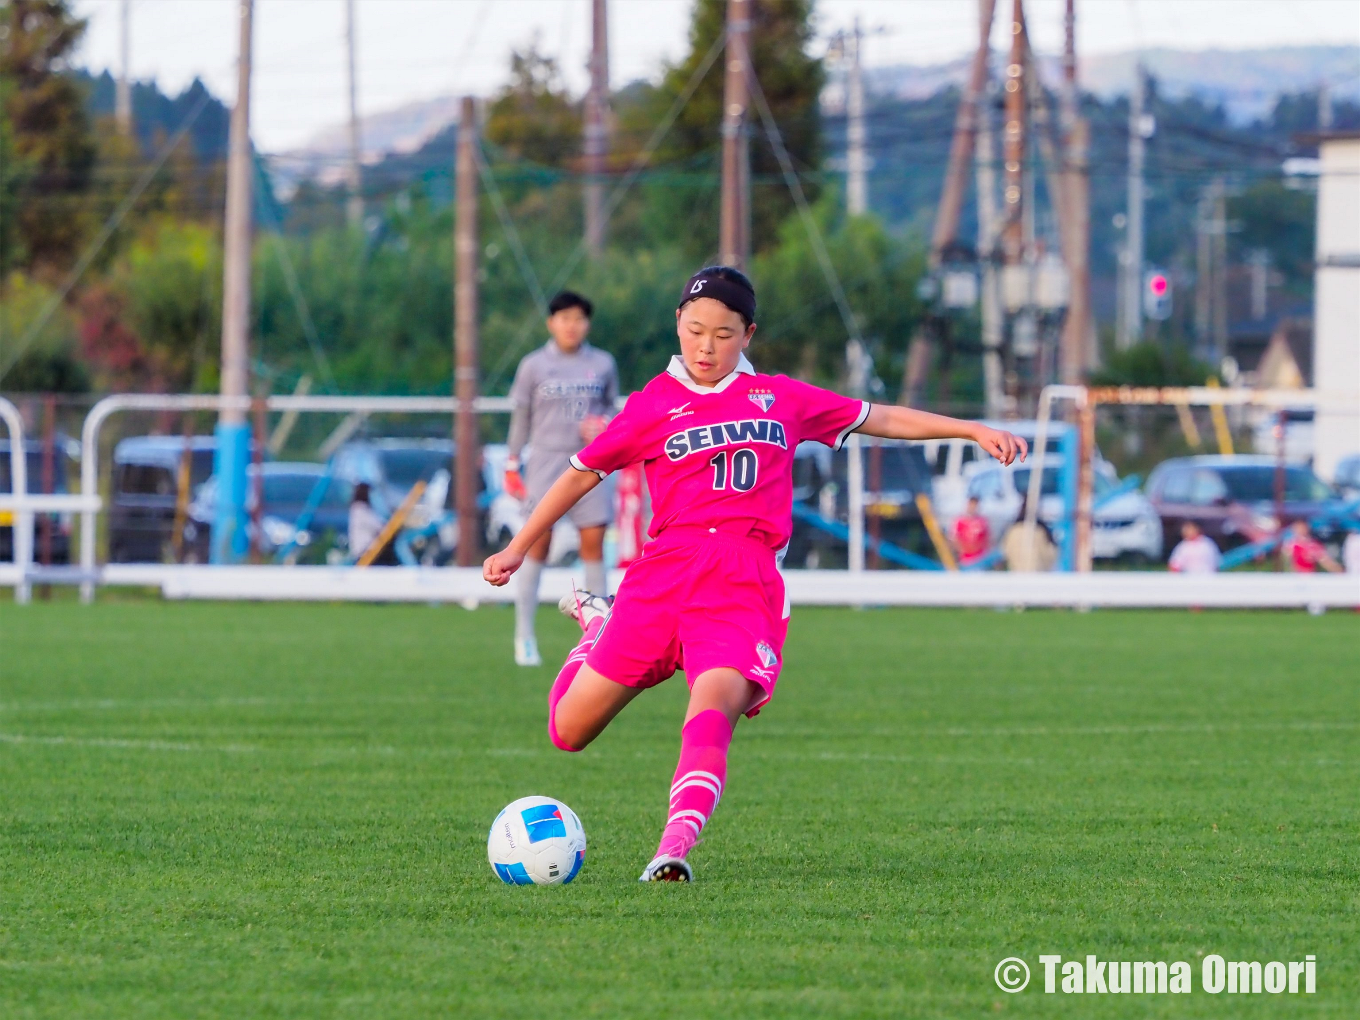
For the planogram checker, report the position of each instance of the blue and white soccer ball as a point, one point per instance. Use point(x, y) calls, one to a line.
point(536, 841)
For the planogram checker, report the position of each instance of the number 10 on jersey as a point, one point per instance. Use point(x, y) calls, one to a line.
point(742, 475)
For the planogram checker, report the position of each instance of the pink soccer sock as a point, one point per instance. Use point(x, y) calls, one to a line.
point(698, 782)
point(570, 668)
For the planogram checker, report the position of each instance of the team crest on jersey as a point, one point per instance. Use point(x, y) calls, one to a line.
point(766, 654)
point(763, 399)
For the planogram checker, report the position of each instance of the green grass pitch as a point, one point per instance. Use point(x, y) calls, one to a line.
point(281, 811)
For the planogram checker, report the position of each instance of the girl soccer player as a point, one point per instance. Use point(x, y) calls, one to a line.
point(716, 440)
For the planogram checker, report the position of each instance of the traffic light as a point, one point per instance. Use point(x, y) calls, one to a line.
point(1156, 295)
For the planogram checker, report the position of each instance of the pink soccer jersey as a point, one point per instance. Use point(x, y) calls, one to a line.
point(722, 457)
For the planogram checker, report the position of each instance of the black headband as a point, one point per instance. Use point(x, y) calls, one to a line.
point(733, 295)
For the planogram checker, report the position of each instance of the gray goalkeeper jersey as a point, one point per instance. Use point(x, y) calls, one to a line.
point(554, 391)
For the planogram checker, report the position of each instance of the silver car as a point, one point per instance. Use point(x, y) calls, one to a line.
point(1124, 523)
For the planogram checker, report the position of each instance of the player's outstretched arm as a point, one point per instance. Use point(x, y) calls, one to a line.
point(570, 487)
point(891, 422)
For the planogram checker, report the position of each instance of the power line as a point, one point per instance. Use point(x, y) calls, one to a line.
point(110, 225)
point(833, 281)
point(512, 237)
point(616, 195)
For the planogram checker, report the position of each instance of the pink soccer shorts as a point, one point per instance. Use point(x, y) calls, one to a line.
point(696, 600)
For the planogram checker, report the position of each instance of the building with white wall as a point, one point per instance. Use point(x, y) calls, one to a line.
point(1336, 300)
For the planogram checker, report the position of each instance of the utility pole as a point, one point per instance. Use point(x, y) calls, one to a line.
point(733, 241)
point(1075, 348)
point(1220, 263)
point(971, 121)
point(597, 129)
point(1017, 227)
point(1324, 115)
point(354, 209)
point(856, 159)
point(966, 121)
point(1204, 275)
point(467, 453)
point(122, 107)
point(1014, 144)
point(993, 314)
point(1211, 277)
point(233, 432)
point(1131, 261)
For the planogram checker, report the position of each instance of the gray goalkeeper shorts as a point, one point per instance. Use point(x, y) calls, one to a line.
point(596, 507)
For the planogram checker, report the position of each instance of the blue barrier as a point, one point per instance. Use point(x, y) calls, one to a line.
point(986, 562)
point(1246, 553)
point(891, 553)
point(309, 510)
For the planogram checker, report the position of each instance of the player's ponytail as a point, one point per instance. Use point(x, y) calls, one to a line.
point(726, 284)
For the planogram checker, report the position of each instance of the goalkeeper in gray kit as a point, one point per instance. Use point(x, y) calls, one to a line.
point(563, 395)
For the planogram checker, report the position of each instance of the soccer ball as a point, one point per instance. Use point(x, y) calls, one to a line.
point(536, 841)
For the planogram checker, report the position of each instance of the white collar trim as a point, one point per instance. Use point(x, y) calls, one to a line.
point(677, 371)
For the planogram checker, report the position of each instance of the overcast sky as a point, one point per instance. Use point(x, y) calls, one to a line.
point(416, 49)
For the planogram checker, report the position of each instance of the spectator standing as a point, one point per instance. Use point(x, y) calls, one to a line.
point(1195, 553)
point(1350, 553)
point(971, 534)
point(364, 523)
point(1028, 547)
point(1304, 553)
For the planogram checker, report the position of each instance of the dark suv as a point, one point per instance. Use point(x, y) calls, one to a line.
point(60, 524)
point(894, 473)
point(1233, 499)
point(145, 494)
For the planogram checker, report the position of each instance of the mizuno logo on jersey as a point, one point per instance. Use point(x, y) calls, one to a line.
point(729, 433)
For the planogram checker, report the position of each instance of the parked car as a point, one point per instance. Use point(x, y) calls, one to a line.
point(894, 473)
point(951, 462)
point(392, 465)
point(145, 494)
point(65, 450)
point(505, 514)
point(1347, 477)
point(1124, 525)
point(287, 490)
point(1232, 499)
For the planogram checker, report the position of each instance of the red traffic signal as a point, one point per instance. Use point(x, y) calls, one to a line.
point(1156, 295)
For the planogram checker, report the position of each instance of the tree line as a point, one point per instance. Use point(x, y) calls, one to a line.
point(370, 309)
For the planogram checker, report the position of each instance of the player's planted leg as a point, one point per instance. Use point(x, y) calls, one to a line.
point(526, 605)
point(717, 700)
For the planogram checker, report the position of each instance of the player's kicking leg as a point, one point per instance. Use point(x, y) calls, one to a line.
point(582, 702)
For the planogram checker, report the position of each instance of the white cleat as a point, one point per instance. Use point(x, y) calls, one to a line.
point(668, 869)
point(584, 607)
point(526, 652)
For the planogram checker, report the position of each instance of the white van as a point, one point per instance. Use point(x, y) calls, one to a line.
point(1124, 524)
point(953, 461)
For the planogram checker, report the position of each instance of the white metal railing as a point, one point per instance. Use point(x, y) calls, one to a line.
point(855, 586)
point(100, 413)
point(24, 504)
point(465, 586)
point(21, 543)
